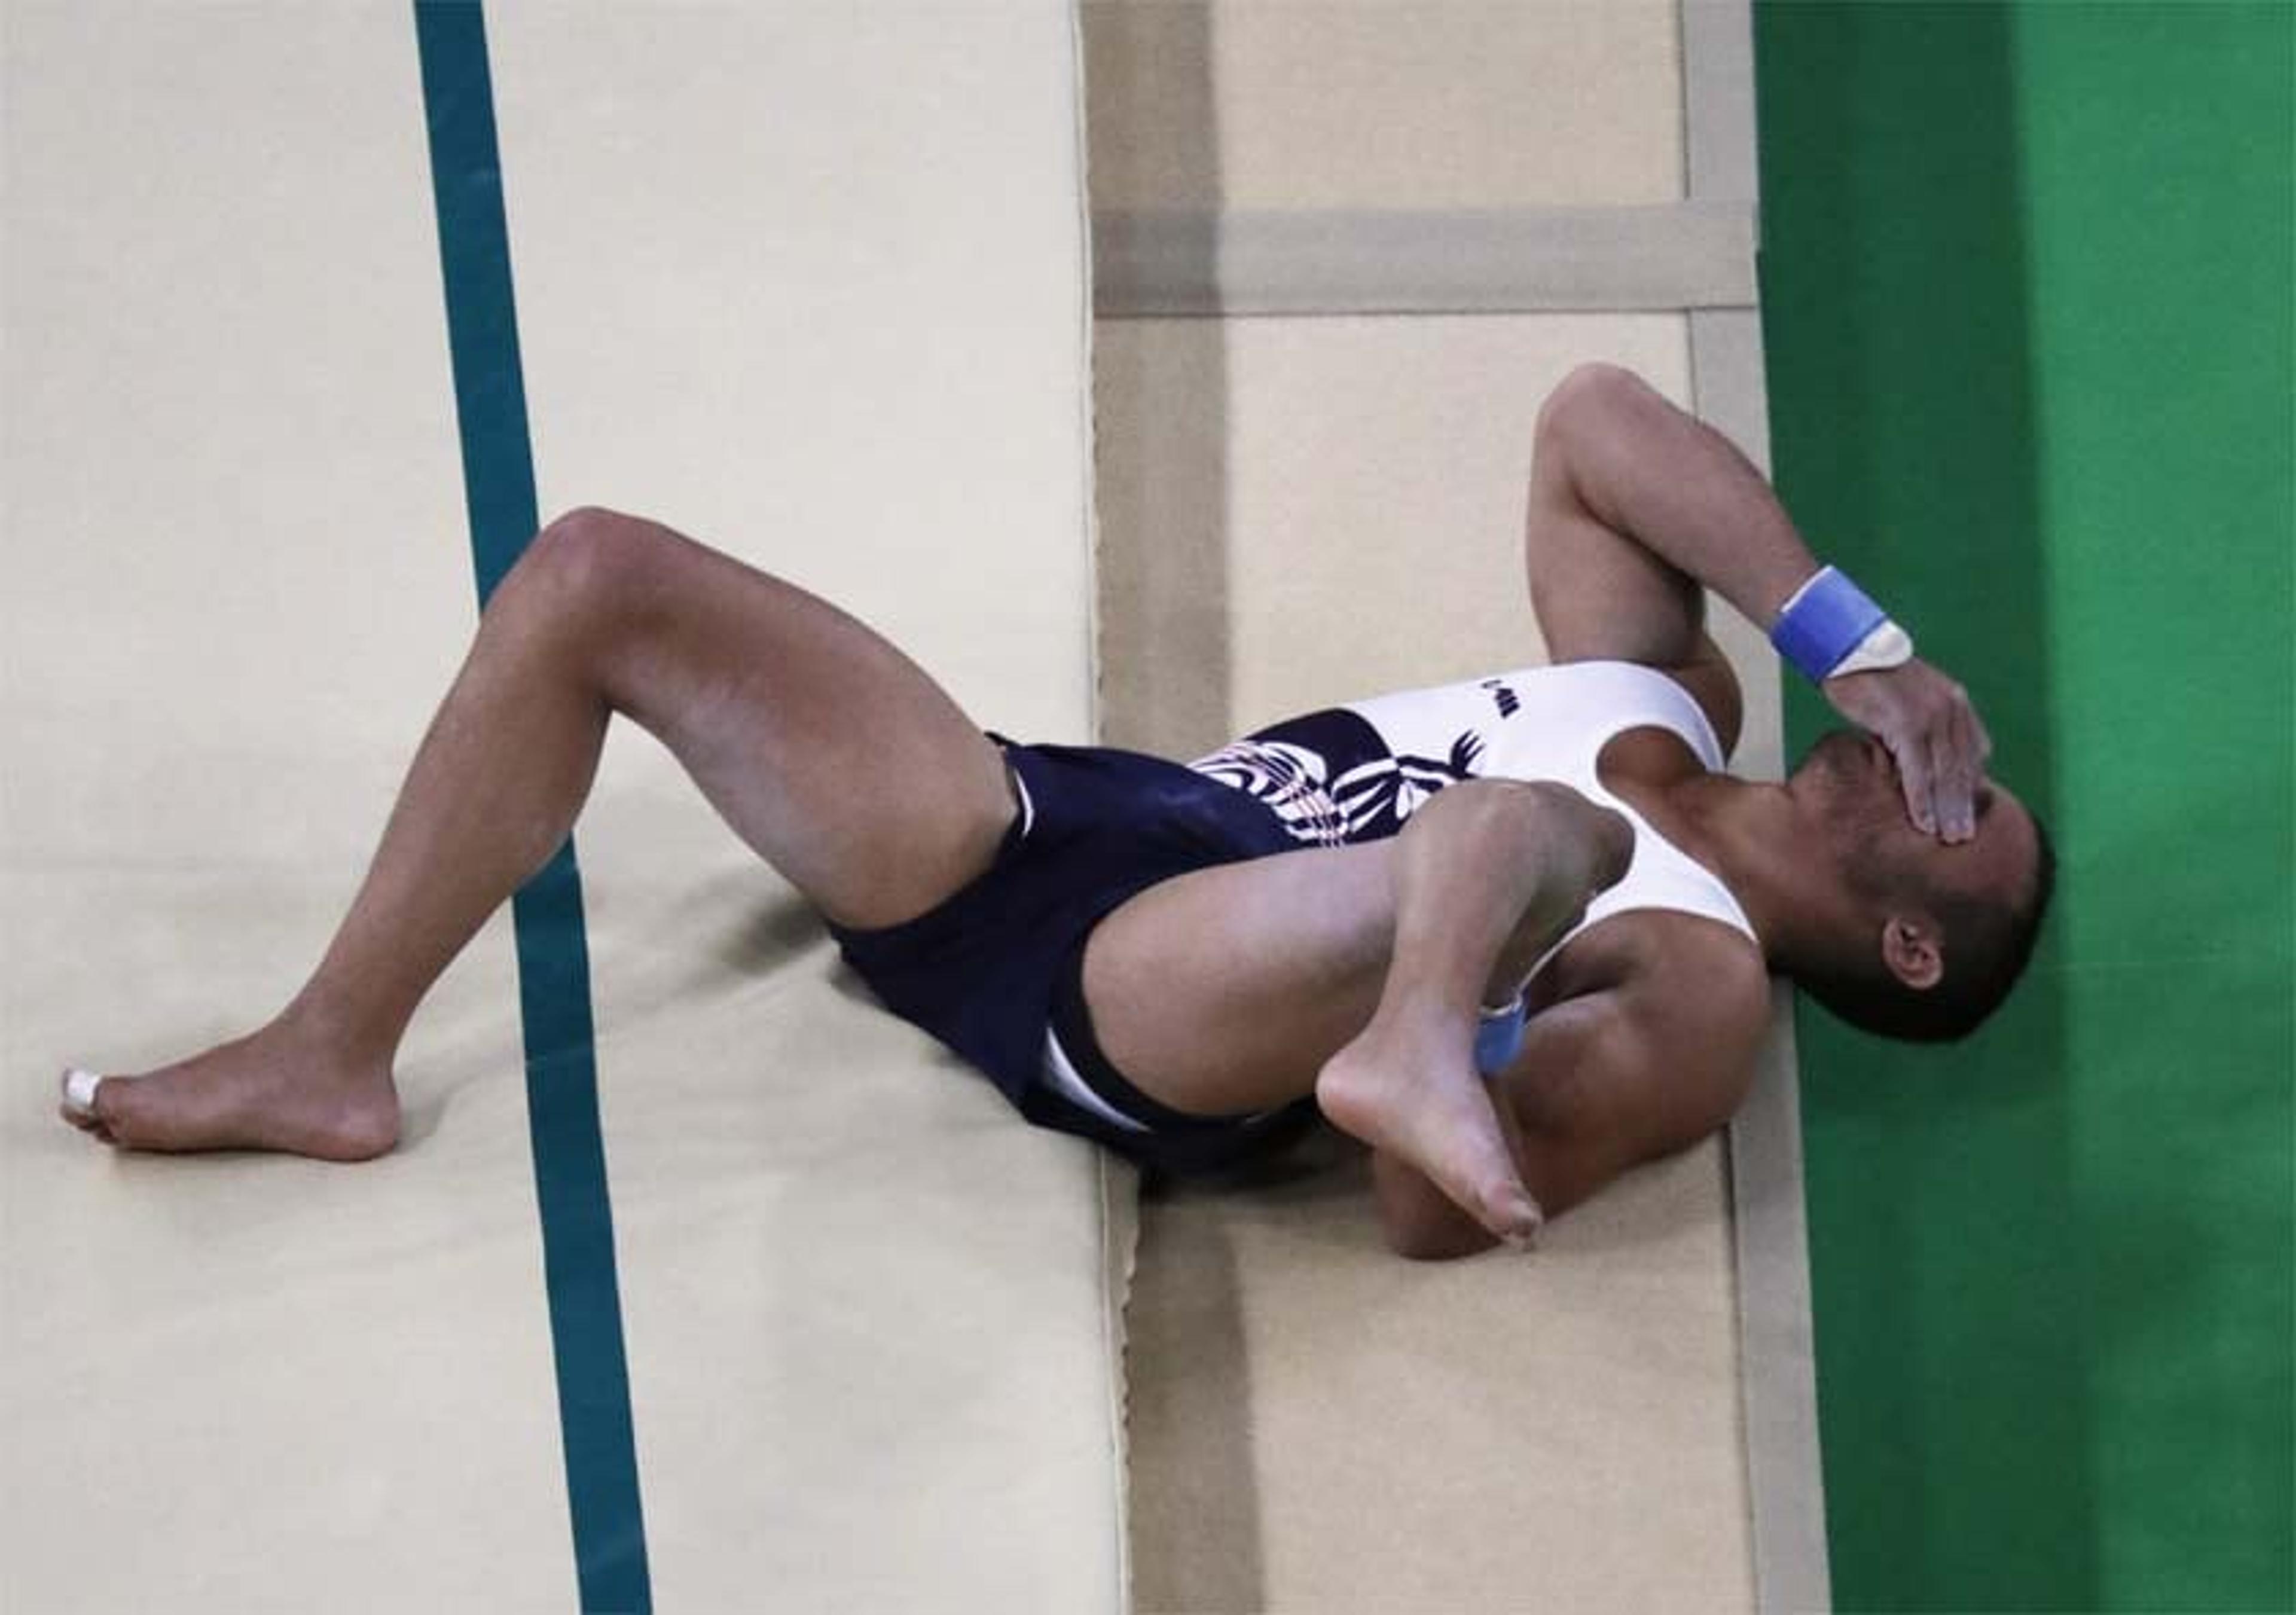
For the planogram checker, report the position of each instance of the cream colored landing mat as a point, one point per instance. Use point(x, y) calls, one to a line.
point(1301, 510)
point(1319, 1426)
point(807, 281)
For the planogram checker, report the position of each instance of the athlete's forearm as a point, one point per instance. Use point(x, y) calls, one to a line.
point(1664, 480)
point(1633, 502)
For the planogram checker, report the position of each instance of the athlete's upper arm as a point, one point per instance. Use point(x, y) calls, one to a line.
point(1656, 1072)
point(1598, 594)
point(1605, 1082)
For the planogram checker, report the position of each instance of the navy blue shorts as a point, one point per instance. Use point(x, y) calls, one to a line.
point(996, 971)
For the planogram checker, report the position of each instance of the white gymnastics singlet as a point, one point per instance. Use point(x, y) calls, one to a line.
point(1356, 773)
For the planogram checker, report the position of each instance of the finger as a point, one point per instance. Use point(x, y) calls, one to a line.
point(1914, 779)
point(1984, 738)
point(1957, 777)
point(1946, 807)
point(1940, 759)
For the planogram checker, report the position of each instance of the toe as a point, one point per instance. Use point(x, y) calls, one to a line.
point(89, 1124)
point(79, 1093)
point(112, 1105)
point(1518, 1220)
point(78, 1089)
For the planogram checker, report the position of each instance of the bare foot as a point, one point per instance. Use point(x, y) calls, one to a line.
point(1415, 1093)
point(1488, 874)
point(280, 1088)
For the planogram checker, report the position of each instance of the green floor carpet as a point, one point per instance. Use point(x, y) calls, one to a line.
point(2027, 279)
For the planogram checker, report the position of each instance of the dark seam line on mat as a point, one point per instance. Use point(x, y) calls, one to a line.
point(553, 962)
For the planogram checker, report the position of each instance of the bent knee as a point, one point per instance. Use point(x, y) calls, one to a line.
point(589, 561)
point(1545, 815)
point(1602, 835)
point(1593, 388)
point(593, 545)
point(1533, 807)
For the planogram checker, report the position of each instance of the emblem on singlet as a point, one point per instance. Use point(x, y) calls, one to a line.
point(1377, 796)
point(1503, 694)
point(1332, 780)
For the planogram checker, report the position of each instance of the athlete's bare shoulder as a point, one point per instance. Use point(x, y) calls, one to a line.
point(1682, 956)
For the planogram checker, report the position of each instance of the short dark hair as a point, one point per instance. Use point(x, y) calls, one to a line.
point(1988, 944)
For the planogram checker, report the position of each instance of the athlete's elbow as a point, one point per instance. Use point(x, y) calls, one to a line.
point(1431, 1241)
point(1419, 1222)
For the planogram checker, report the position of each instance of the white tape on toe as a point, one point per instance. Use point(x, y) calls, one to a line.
point(79, 1090)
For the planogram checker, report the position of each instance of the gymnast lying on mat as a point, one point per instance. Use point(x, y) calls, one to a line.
point(1409, 914)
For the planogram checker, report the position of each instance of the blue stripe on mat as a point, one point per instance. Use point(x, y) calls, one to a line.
point(553, 960)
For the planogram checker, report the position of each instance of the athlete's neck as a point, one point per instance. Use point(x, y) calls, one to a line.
point(1755, 836)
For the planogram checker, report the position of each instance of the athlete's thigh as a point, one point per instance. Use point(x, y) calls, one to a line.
point(1224, 991)
point(824, 747)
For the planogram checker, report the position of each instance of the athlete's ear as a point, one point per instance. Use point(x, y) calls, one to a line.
point(1911, 950)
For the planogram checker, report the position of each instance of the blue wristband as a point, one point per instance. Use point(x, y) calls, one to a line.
point(1828, 619)
point(1498, 1039)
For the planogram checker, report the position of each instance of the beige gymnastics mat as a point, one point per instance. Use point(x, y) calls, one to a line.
point(1306, 508)
point(1319, 1426)
point(807, 281)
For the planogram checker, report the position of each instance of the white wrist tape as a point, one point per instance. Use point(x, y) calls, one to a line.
point(1830, 627)
point(1887, 646)
point(79, 1090)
